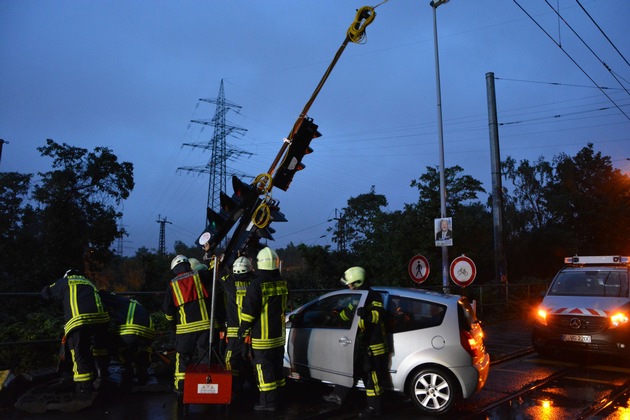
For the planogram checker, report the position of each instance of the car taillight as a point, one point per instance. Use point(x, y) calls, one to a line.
point(470, 344)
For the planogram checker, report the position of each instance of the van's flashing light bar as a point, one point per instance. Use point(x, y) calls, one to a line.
point(606, 259)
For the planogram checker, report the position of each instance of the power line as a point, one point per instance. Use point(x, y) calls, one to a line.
point(557, 84)
point(571, 58)
point(588, 48)
point(602, 32)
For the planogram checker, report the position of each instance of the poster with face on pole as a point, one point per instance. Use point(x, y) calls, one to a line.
point(443, 231)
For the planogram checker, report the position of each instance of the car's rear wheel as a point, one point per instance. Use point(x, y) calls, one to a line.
point(433, 390)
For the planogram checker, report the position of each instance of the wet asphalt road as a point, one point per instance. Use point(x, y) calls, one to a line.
point(303, 399)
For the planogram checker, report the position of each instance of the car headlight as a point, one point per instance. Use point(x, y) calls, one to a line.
point(541, 316)
point(618, 319)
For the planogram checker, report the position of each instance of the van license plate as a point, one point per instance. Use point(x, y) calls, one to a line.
point(576, 338)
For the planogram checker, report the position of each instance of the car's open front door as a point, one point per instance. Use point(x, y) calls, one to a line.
point(322, 337)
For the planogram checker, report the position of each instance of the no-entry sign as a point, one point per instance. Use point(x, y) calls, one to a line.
point(419, 269)
point(463, 271)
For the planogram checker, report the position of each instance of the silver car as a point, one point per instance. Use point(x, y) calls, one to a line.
point(437, 354)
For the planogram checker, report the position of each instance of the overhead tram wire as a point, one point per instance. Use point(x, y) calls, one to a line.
point(557, 83)
point(606, 66)
point(603, 33)
point(571, 58)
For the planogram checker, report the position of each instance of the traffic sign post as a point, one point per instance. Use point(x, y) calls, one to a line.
point(463, 271)
point(419, 269)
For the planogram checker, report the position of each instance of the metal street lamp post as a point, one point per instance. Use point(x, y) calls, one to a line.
point(434, 5)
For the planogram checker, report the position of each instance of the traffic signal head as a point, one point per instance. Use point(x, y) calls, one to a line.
point(299, 146)
point(232, 208)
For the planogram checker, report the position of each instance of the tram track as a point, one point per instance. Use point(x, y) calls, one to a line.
point(521, 392)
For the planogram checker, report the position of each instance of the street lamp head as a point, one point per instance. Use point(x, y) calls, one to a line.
point(436, 3)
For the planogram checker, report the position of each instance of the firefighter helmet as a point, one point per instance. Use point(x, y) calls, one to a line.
point(354, 275)
point(178, 260)
point(267, 259)
point(242, 265)
point(71, 272)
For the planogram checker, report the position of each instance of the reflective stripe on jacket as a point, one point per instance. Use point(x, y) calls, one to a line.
point(187, 302)
point(264, 309)
point(81, 303)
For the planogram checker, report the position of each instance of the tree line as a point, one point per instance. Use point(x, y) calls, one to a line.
point(552, 208)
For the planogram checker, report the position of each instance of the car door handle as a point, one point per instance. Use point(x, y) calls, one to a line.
point(344, 341)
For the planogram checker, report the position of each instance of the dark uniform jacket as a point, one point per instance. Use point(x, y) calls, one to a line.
point(372, 325)
point(235, 286)
point(188, 301)
point(128, 316)
point(81, 302)
point(264, 310)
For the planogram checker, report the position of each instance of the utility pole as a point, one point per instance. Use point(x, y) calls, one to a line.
point(500, 264)
point(161, 245)
point(445, 266)
point(220, 152)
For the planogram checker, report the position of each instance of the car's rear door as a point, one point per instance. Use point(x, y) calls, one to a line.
point(321, 340)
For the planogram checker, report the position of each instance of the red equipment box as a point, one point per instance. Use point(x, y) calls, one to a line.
point(205, 384)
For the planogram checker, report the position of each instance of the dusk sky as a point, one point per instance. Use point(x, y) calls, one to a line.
point(128, 75)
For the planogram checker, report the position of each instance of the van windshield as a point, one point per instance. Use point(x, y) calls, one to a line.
point(606, 283)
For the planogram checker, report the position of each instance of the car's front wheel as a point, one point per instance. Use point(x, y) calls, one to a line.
point(433, 390)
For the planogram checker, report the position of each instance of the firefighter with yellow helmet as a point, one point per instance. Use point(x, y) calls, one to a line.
point(371, 350)
point(262, 318)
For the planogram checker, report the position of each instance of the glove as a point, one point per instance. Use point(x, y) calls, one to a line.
point(361, 312)
point(246, 349)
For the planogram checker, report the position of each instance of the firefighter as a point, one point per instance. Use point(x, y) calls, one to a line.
point(235, 286)
point(132, 333)
point(187, 303)
point(371, 349)
point(85, 329)
point(262, 317)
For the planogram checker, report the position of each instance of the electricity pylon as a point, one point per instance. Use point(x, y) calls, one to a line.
point(221, 153)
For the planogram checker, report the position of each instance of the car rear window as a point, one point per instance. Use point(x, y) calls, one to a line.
point(407, 314)
point(601, 283)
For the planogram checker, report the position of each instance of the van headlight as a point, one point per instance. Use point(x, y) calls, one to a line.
point(618, 319)
point(541, 316)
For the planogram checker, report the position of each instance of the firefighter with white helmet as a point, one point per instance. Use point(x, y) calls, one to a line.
point(262, 317)
point(187, 304)
point(235, 286)
point(372, 348)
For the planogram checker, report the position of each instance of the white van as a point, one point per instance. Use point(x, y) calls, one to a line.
point(586, 308)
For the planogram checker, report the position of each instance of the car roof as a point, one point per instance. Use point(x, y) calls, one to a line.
point(417, 293)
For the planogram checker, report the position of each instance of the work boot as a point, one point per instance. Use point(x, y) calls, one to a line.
point(333, 398)
point(370, 412)
point(85, 387)
point(266, 407)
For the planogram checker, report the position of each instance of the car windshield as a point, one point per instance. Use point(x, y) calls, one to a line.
point(607, 283)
